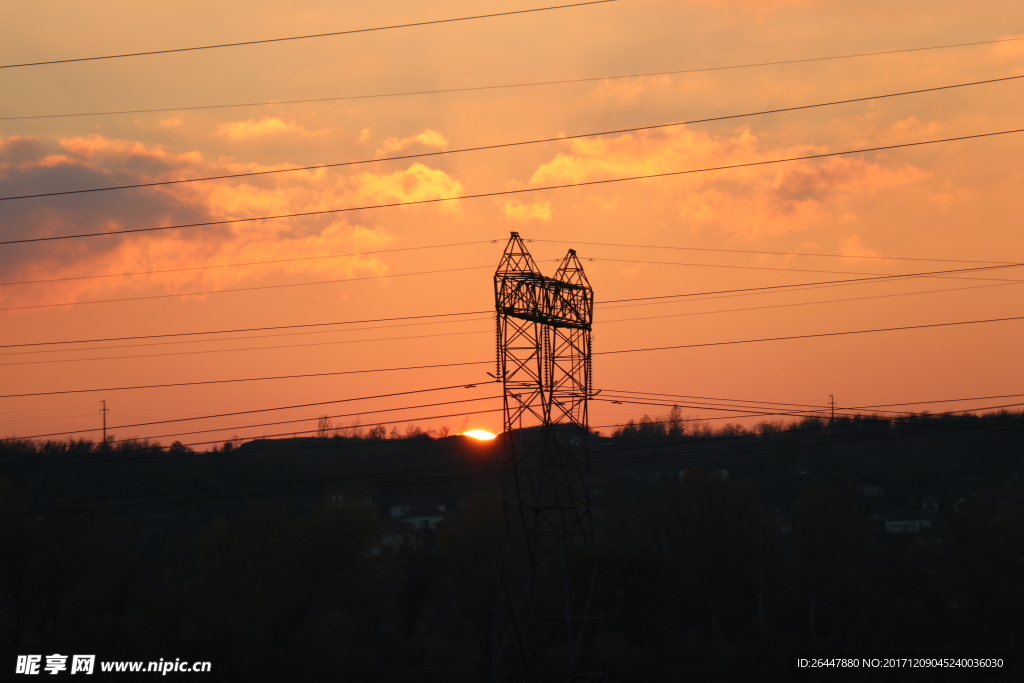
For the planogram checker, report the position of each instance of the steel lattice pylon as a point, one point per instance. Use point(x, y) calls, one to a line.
point(546, 618)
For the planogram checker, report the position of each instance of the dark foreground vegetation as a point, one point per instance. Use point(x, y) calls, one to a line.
point(722, 553)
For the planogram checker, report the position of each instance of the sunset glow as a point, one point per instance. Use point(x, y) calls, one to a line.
point(301, 284)
point(480, 434)
point(738, 282)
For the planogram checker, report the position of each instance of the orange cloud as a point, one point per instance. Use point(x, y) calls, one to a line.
point(868, 130)
point(753, 6)
point(268, 125)
point(851, 247)
point(518, 211)
point(416, 183)
point(30, 164)
point(1011, 49)
point(750, 201)
point(428, 138)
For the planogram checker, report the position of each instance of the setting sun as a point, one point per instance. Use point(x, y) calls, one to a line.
point(480, 434)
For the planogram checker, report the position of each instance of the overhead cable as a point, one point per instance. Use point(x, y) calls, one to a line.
point(500, 193)
point(813, 336)
point(432, 22)
point(242, 329)
point(248, 379)
point(530, 84)
point(237, 265)
point(251, 288)
point(504, 145)
point(259, 410)
point(488, 362)
point(697, 449)
point(773, 253)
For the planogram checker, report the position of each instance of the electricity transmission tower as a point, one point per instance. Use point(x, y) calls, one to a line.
point(546, 617)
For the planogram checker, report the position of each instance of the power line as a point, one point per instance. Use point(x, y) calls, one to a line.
point(505, 145)
point(76, 460)
point(245, 348)
point(247, 379)
point(452, 270)
point(450, 473)
point(741, 292)
point(480, 312)
point(84, 460)
point(253, 336)
point(249, 263)
point(501, 86)
point(812, 336)
point(941, 400)
point(801, 285)
point(714, 398)
point(487, 362)
point(774, 253)
point(242, 329)
point(773, 268)
point(499, 193)
point(750, 412)
point(803, 303)
point(240, 289)
point(307, 419)
point(821, 407)
point(148, 448)
point(353, 341)
point(263, 41)
point(263, 410)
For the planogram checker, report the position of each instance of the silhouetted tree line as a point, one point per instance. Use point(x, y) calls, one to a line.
point(722, 551)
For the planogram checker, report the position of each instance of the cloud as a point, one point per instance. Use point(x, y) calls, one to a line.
point(852, 247)
point(755, 7)
point(748, 201)
point(953, 197)
point(416, 183)
point(517, 211)
point(268, 125)
point(628, 90)
point(1013, 48)
point(29, 165)
point(428, 138)
point(866, 130)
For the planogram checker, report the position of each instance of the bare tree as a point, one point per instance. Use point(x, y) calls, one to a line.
point(323, 427)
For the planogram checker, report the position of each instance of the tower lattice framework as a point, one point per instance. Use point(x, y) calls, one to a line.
point(546, 618)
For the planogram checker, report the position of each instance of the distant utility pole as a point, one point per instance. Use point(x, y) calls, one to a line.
point(546, 618)
point(104, 410)
point(832, 408)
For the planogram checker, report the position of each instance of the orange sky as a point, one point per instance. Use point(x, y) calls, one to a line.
point(960, 200)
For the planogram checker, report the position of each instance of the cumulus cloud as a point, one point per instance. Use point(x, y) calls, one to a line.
point(626, 90)
point(749, 201)
point(28, 165)
point(416, 183)
point(268, 125)
point(852, 247)
point(428, 138)
point(518, 211)
point(753, 6)
point(1013, 48)
point(870, 129)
